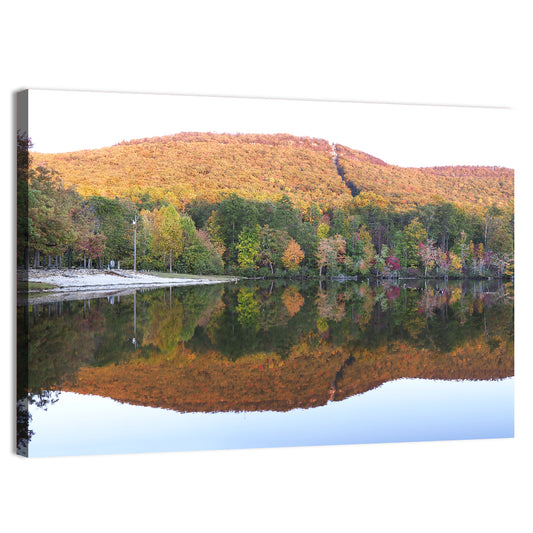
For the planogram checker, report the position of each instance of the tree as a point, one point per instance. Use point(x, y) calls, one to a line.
point(200, 256)
point(113, 217)
point(393, 263)
point(428, 255)
point(307, 238)
point(476, 253)
point(273, 244)
point(324, 252)
point(215, 231)
point(188, 229)
point(385, 263)
point(364, 250)
point(446, 260)
point(313, 214)
point(23, 175)
point(168, 233)
point(234, 213)
point(414, 233)
point(350, 225)
point(92, 246)
point(285, 215)
point(447, 227)
point(503, 264)
point(331, 252)
point(249, 247)
point(322, 231)
point(200, 209)
point(462, 247)
point(293, 255)
point(49, 226)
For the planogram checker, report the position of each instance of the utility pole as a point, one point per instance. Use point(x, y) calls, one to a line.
point(134, 222)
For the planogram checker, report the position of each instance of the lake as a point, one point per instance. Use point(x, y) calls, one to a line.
point(266, 363)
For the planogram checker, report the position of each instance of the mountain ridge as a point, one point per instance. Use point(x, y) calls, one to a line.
point(192, 165)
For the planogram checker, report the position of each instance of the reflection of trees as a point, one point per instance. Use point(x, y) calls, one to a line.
point(269, 345)
point(53, 340)
point(24, 433)
point(330, 304)
point(364, 302)
point(248, 309)
point(292, 300)
point(62, 336)
point(173, 316)
point(254, 319)
point(166, 326)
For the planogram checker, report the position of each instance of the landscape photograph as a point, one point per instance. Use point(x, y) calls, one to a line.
point(209, 273)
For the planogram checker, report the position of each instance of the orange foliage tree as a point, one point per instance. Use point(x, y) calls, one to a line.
point(293, 255)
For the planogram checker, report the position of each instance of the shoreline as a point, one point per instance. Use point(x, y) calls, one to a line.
point(71, 280)
point(63, 279)
point(62, 284)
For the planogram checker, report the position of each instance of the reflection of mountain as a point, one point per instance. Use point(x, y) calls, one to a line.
point(475, 360)
point(308, 377)
point(264, 346)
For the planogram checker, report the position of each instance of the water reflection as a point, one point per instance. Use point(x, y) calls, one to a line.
point(261, 346)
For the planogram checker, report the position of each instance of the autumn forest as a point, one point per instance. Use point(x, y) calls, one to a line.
point(261, 206)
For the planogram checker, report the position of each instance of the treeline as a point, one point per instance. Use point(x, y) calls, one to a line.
point(365, 236)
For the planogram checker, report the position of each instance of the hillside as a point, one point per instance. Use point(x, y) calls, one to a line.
point(191, 165)
point(464, 185)
point(206, 165)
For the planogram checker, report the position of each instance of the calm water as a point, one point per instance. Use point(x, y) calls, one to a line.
point(267, 364)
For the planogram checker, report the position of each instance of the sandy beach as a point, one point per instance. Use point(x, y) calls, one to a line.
point(94, 280)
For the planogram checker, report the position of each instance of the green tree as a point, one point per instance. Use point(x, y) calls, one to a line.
point(307, 239)
point(273, 243)
point(200, 256)
point(189, 230)
point(285, 217)
point(113, 218)
point(249, 247)
point(414, 234)
point(23, 175)
point(168, 233)
point(49, 228)
point(322, 231)
point(234, 213)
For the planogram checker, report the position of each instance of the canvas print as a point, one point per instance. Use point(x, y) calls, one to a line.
point(207, 273)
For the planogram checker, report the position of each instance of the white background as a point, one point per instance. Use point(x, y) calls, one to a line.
point(405, 135)
point(458, 52)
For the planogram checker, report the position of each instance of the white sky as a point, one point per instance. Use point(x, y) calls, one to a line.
point(405, 135)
